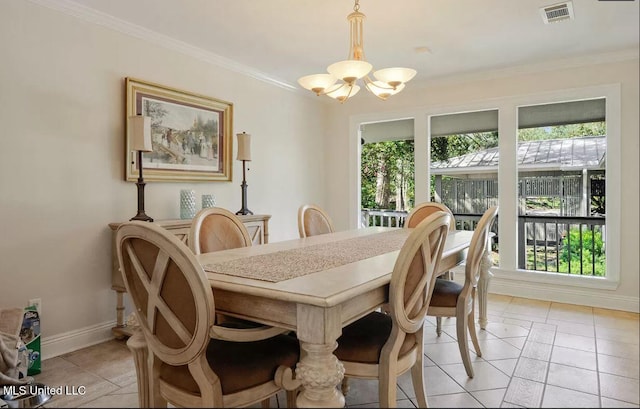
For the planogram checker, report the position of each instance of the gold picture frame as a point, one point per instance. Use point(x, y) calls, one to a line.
point(191, 134)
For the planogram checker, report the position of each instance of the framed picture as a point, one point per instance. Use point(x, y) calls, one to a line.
point(191, 134)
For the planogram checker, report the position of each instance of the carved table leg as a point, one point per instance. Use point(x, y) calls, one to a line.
point(320, 372)
point(138, 347)
point(483, 286)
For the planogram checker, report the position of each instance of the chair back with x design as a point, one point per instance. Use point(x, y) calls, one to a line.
point(413, 276)
point(172, 297)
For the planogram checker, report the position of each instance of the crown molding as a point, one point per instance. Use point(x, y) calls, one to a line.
point(97, 17)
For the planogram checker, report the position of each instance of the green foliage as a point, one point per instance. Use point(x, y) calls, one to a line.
point(546, 203)
point(562, 131)
point(445, 147)
point(394, 162)
point(592, 248)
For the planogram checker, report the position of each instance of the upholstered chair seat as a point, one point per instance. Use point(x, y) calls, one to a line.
point(363, 340)
point(244, 364)
point(445, 293)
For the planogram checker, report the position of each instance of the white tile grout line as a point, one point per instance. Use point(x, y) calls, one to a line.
point(595, 341)
point(546, 377)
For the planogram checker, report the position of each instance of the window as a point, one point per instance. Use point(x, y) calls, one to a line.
point(521, 193)
point(561, 187)
point(464, 163)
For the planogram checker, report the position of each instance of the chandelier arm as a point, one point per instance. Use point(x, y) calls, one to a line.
point(331, 89)
point(350, 92)
point(348, 95)
point(368, 81)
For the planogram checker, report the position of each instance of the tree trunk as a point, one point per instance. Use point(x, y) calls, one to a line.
point(383, 188)
point(401, 188)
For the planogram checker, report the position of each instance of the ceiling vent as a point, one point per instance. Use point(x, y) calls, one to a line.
point(557, 12)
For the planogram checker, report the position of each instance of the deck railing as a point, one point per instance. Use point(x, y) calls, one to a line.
point(396, 218)
point(559, 244)
point(562, 244)
point(381, 217)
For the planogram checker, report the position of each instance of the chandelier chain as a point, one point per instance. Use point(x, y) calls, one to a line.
point(356, 6)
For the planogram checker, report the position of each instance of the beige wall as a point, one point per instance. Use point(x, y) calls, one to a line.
point(62, 156)
point(416, 101)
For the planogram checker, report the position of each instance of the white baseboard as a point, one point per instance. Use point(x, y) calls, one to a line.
point(565, 294)
point(77, 339)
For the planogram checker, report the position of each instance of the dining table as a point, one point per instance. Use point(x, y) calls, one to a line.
point(317, 285)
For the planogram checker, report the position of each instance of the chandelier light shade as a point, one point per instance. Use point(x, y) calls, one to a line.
point(395, 76)
point(349, 70)
point(340, 82)
point(317, 83)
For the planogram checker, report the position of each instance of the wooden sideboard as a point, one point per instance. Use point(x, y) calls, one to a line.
point(257, 225)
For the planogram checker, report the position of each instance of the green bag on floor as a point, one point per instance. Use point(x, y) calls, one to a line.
point(30, 335)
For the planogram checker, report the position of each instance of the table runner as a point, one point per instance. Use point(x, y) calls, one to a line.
point(286, 264)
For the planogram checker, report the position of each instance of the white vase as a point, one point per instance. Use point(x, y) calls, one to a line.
point(187, 204)
point(208, 201)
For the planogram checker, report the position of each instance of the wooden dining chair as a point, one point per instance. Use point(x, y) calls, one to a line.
point(383, 346)
point(181, 356)
point(312, 221)
point(451, 299)
point(423, 210)
point(215, 229)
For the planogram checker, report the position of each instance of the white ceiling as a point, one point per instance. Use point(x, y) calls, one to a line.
point(286, 39)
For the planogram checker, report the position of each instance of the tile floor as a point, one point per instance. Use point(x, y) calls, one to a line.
point(534, 354)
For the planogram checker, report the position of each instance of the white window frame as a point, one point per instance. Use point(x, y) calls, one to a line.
point(507, 178)
point(508, 175)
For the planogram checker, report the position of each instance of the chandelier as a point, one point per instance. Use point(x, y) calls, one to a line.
point(340, 82)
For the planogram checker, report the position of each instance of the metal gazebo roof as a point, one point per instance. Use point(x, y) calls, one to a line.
point(553, 154)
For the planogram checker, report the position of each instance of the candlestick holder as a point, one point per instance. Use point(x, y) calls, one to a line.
point(244, 154)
